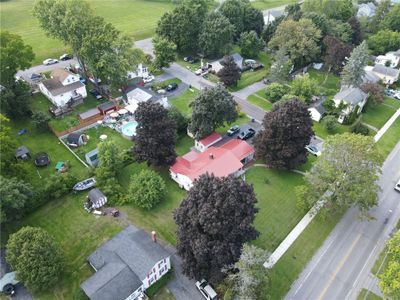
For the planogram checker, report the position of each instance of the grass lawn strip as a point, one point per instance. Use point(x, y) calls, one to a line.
point(370, 296)
point(268, 4)
point(137, 18)
point(378, 115)
point(182, 102)
point(260, 102)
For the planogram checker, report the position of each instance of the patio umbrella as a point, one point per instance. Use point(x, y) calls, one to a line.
point(114, 115)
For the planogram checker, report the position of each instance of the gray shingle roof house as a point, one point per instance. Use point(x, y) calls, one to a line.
point(386, 74)
point(125, 266)
point(317, 112)
point(353, 97)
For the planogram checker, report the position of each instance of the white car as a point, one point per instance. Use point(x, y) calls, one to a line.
point(198, 71)
point(161, 91)
point(313, 150)
point(148, 79)
point(50, 61)
point(397, 96)
point(206, 290)
point(397, 186)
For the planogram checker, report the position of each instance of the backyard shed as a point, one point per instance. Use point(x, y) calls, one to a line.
point(22, 153)
point(92, 157)
point(107, 107)
point(317, 112)
point(96, 198)
point(76, 139)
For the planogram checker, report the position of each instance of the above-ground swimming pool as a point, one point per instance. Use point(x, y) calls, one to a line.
point(128, 130)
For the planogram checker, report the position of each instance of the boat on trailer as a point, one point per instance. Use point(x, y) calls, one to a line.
point(85, 184)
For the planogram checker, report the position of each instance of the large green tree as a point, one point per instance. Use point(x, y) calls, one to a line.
point(275, 91)
point(281, 67)
point(212, 108)
point(253, 20)
point(250, 44)
point(146, 189)
point(183, 25)
point(345, 174)
point(235, 11)
point(384, 41)
point(14, 195)
point(334, 9)
point(217, 35)
point(14, 56)
point(389, 279)
point(304, 87)
point(230, 73)
point(251, 276)
point(214, 221)
point(155, 135)
point(36, 258)
point(353, 72)
point(164, 51)
point(287, 130)
point(336, 53)
point(391, 20)
point(15, 100)
point(299, 39)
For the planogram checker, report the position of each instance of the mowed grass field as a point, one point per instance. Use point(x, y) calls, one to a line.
point(136, 18)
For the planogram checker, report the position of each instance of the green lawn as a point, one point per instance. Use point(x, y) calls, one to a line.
point(330, 84)
point(136, 18)
point(367, 295)
point(267, 4)
point(311, 159)
point(183, 145)
point(260, 102)
point(163, 294)
point(158, 218)
point(36, 142)
point(277, 203)
point(94, 139)
point(77, 233)
point(250, 77)
point(390, 138)
point(182, 102)
point(322, 133)
point(378, 115)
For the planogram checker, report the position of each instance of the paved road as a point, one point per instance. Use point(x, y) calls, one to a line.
point(341, 266)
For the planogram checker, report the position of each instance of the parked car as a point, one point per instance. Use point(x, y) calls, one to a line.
point(172, 87)
point(148, 79)
point(66, 57)
point(198, 72)
point(397, 96)
point(161, 91)
point(389, 92)
point(248, 133)
point(313, 150)
point(96, 94)
point(397, 186)
point(233, 130)
point(8, 283)
point(190, 59)
point(249, 61)
point(36, 77)
point(50, 61)
point(206, 290)
point(81, 79)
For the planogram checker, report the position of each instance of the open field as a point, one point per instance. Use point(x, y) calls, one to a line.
point(329, 83)
point(76, 232)
point(267, 4)
point(136, 18)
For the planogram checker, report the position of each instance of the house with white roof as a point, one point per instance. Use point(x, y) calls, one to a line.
point(366, 10)
point(272, 15)
point(386, 74)
point(354, 99)
point(390, 59)
point(137, 95)
point(63, 88)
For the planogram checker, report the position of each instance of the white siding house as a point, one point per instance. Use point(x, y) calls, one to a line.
point(353, 98)
point(63, 88)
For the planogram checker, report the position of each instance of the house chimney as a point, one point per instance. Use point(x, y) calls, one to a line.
point(154, 236)
point(211, 156)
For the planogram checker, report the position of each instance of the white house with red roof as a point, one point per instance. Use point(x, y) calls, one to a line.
point(222, 161)
point(207, 142)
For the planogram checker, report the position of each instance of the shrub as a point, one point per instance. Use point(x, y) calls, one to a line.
point(359, 128)
point(146, 189)
point(329, 123)
point(275, 91)
point(41, 120)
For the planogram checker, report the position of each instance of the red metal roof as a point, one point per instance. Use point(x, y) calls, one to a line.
point(220, 161)
point(212, 138)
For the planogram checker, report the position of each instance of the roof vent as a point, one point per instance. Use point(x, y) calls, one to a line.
point(211, 156)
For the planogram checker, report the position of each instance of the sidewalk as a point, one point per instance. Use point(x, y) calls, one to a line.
point(387, 125)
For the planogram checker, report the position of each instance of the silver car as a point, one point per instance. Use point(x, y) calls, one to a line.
point(206, 290)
